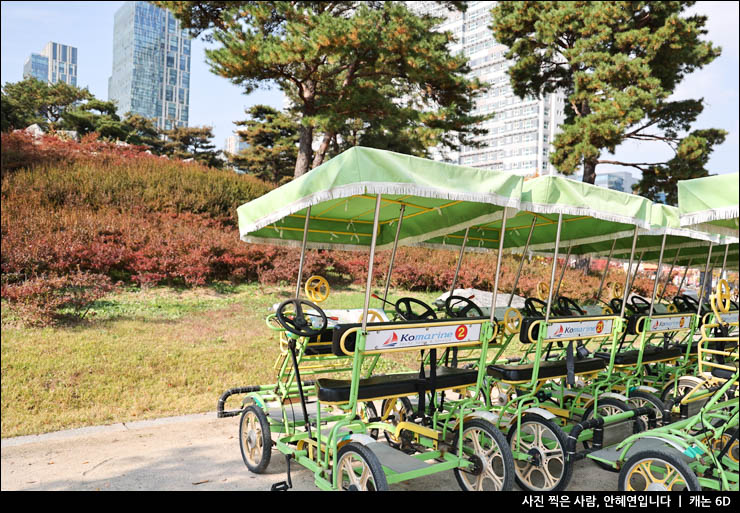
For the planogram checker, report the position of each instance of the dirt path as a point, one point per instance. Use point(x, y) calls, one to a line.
point(195, 452)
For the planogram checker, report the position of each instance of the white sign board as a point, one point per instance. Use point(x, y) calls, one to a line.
point(580, 329)
point(674, 322)
point(422, 337)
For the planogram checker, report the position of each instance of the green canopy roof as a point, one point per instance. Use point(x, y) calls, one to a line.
point(711, 203)
point(438, 198)
point(590, 214)
point(663, 219)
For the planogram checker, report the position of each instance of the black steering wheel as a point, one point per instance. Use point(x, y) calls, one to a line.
point(300, 323)
point(529, 307)
point(685, 303)
point(403, 308)
point(643, 306)
point(563, 303)
point(462, 312)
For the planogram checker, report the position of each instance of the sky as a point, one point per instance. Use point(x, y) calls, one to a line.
point(214, 101)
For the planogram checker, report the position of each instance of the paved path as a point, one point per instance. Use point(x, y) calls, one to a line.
point(195, 452)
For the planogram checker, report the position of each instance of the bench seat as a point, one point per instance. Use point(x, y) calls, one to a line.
point(547, 370)
point(651, 354)
point(391, 385)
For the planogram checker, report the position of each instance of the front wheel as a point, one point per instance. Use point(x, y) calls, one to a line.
point(607, 406)
point(492, 466)
point(544, 444)
point(640, 398)
point(254, 439)
point(658, 471)
point(358, 469)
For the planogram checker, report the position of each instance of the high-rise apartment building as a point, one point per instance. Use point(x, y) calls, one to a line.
point(55, 63)
point(521, 132)
point(151, 65)
point(234, 145)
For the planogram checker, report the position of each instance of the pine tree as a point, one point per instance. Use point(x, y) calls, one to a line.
point(272, 144)
point(342, 63)
point(618, 63)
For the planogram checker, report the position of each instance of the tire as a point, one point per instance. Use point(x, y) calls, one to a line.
point(733, 454)
point(488, 449)
point(358, 469)
point(255, 441)
point(638, 473)
point(607, 406)
point(525, 472)
point(640, 398)
point(402, 410)
point(369, 412)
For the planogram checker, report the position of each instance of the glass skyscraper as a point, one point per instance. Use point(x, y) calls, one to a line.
point(521, 132)
point(55, 63)
point(151, 65)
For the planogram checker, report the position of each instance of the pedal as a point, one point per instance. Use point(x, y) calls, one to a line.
point(284, 486)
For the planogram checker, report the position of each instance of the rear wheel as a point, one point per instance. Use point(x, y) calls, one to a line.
point(358, 469)
point(640, 398)
point(606, 406)
point(254, 439)
point(492, 462)
point(544, 443)
point(649, 471)
point(395, 411)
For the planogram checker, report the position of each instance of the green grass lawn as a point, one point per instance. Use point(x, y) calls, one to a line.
point(144, 354)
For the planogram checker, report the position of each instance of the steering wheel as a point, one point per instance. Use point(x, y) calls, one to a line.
point(403, 308)
point(563, 303)
point(463, 312)
point(644, 305)
point(530, 308)
point(299, 323)
point(687, 303)
point(722, 296)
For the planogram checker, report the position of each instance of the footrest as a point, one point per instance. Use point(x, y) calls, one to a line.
point(394, 459)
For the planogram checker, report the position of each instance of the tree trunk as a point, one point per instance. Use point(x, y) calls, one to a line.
point(318, 157)
point(589, 171)
point(304, 151)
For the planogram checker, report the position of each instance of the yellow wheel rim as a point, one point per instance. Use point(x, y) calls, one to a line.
point(542, 291)
point(372, 316)
point(607, 311)
point(655, 475)
point(512, 321)
point(317, 289)
point(732, 453)
point(672, 308)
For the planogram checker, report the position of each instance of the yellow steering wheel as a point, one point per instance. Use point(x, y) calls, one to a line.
point(317, 289)
point(607, 310)
point(512, 321)
point(672, 308)
point(542, 291)
point(372, 316)
point(617, 290)
point(722, 296)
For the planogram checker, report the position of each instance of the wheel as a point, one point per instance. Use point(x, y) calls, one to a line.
point(395, 411)
point(640, 398)
point(367, 412)
point(649, 471)
point(607, 406)
point(358, 469)
point(719, 444)
point(254, 439)
point(547, 468)
point(493, 463)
